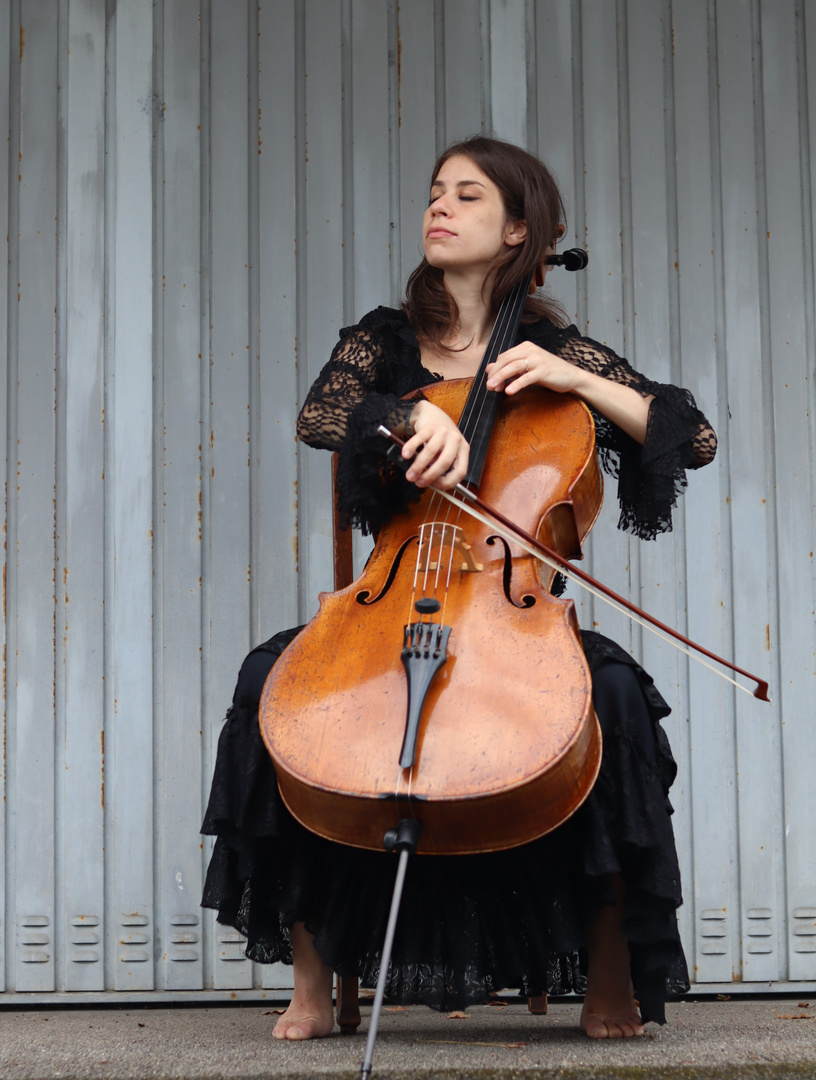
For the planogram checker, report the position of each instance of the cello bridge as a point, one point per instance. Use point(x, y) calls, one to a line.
point(445, 547)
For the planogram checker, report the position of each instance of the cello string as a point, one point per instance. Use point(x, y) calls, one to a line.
point(509, 311)
point(440, 558)
point(472, 415)
point(474, 406)
point(417, 565)
point(495, 347)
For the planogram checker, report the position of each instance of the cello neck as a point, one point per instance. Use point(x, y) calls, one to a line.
point(479, 413)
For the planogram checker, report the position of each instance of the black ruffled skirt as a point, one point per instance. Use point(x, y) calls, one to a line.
point(469, 924)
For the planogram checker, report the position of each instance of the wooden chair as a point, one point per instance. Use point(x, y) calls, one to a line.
point(347, 993)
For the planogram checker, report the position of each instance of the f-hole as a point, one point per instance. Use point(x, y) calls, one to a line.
point(363, 597)
point(526, 601)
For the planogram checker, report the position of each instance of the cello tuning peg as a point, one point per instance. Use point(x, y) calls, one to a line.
point(574, 259)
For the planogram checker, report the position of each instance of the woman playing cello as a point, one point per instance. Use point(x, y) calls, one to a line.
point(591, 906)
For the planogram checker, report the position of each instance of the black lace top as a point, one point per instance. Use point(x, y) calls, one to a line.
point(377, 361)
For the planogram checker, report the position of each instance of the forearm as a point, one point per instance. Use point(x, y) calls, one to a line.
point(621, 405)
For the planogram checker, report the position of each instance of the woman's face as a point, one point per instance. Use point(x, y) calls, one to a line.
point(466, 224)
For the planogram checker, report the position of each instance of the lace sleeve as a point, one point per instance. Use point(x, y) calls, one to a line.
point(678, 437)
point(347, 402)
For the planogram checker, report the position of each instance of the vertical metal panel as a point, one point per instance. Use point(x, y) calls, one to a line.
point(31, 544)
point(466, 69)
point(421, 56)
point(652, 308)
point(370, 142)
point(556, 113)
point(275, 563)
point(747, 453)
point(212, 710)
point(323, 253)
point(177, 721)
point(80, 501)
point(129, 511)
point(792, 367)
point(276, 573)
point(707, 821)
point(608, 550)
point(374, 245)
point(806, 58)
point(227, 558)
point(508, 69)
point(6, 145)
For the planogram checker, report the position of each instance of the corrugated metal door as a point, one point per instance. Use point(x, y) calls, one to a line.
point(197, 195)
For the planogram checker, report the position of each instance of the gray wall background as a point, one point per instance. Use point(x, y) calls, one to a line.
point(195, 195)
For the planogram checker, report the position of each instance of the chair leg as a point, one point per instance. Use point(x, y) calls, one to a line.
point(348, 1006)
point(537, 1004)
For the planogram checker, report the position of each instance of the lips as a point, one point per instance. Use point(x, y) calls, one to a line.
point(439, 232)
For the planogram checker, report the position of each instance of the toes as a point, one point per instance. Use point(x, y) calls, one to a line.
point(594, 1026)
point(597, 1029)
point(597, 1026)
point(303, 1027)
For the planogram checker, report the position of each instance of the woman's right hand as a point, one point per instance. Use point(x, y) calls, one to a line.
point(438, 448)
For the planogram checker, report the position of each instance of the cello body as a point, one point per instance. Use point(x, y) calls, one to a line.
point(508, 745)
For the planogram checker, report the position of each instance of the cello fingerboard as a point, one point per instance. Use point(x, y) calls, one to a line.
point(479, 413)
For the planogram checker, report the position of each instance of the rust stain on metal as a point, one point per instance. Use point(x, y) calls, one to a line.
point(22, 43)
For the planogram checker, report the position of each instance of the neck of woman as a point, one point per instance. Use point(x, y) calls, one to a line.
point(470, 291)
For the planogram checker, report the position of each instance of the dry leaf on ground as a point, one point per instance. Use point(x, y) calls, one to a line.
point(457, 1015)
point(794, 1016)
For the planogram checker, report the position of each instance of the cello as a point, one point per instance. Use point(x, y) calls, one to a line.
point(411, 722)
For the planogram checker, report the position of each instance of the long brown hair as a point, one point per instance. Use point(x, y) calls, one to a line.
point(530, 194)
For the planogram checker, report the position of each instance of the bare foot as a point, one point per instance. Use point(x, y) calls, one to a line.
point(610, 1010)
point(310, 1014)
point(303, 1021)
point(610, 1022)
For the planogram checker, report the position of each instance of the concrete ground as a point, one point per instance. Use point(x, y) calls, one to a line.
point(745, 1038)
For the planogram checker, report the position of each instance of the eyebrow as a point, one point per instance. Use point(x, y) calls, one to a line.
point(460, 183)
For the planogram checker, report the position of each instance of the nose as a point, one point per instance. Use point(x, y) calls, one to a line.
point(439, 205)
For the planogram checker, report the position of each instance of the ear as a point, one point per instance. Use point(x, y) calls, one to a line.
point(516, 233)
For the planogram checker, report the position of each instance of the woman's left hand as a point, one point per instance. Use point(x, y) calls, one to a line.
point(530, 365)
